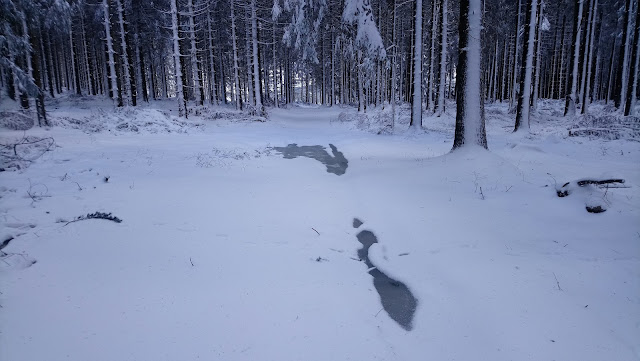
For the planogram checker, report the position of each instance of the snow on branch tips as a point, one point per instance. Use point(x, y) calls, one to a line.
point(360, 14)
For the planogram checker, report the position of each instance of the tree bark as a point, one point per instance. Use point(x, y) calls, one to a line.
point(416, 103)
point(470, 123)
point(570, 105)
point(182, 105)
point(524, 98)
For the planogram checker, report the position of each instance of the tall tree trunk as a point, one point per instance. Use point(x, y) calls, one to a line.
point(36, 43)
point(524, 98)
point(275, 69)
point(29, 63)
point(561, 71)
point(394, 64)
point(611, 78)
point(256, 69)
point(416, 103)
point(193, 55)
point(443, 60)
point(75, 77)
point(516, 57)
point(470, 123)
point(622, 77)
point(212, 68)
point(585, 51)
point(432, 57)
point(112, 64)
point(570, 105)
point(51, 70)
point(126, 82)
point(503, 83)
point(182, 105)
point(633, 82)
point(589, 57)
point(234, 41)
point(85, 53)
point(538, 68)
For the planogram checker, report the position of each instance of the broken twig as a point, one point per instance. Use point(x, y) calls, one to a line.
point(557, 282)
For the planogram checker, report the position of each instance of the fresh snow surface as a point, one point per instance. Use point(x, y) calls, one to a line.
point(229, 251)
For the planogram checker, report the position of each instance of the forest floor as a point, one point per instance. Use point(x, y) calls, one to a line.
point(227, 250)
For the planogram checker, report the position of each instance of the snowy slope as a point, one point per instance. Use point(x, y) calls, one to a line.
point(228, 251)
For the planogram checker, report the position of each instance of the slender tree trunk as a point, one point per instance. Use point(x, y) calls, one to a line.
point(75, 77)
point(182, 105)
point(275, 69)
point(432, 57)
point(538, 68)
point(503, 83)
point(524, 104)
point(561, 71)
point(126, 82)
point(633, 81)
point(589, 57)
point(25, 37)
point(623, 67)
point(51, 70)
point(212, 68)
point(85, 54)
point(570, 106)
point(36, 42)
point(394, 64)
point(516, 57)
point(416, 104)
point(248, 55)
point(193, 55)
point(234, 41)
point(611, 78)
point(112, 64)
point(443, 60)
point(585, 53)
point(256, 70)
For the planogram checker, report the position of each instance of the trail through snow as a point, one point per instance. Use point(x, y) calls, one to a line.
point(228, 251)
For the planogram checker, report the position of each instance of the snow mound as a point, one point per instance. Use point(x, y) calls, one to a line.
point(15, 121)
point(15, 261)
point(609, 127)
point(127, 120)
point(216, 113)
point(223, 158)
point(378, 120)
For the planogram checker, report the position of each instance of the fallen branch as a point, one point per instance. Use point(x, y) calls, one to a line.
point(565, 190)
point(96, 215)
point(584, 182)
point(12, 155)
point(557, 282)
point(316, 231)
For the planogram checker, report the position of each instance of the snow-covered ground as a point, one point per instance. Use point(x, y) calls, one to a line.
point(228, 251)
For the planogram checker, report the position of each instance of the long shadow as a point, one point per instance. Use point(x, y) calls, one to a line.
point(336, 164)
point(397, 300)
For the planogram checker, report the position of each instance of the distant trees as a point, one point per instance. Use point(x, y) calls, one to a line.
point(366, 53)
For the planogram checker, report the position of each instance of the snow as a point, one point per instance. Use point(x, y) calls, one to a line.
point(218, 260)
point(368, 36)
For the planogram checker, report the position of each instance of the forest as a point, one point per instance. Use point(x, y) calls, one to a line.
point(262, 53)
point(248, 180)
